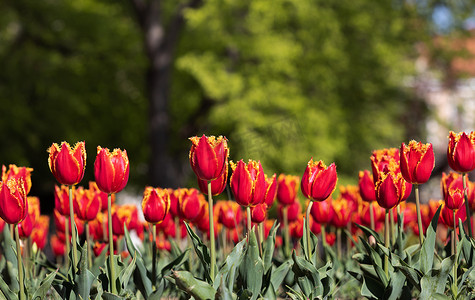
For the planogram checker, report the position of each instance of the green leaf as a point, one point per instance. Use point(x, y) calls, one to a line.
point(45, 286)
point(125, 274)
point(110, 296)
point(278, 274)
point(372, 288)
point(428, 246)
point(176, 263)
point(6, 290)
point(307, 276)
point(396, 284)
point(99, 261)
point(377, 262)
point(411, 273)
point(269, 247)
point(228, 270)
point(9, 246)
point(198, 289)
point(252, 267)
point(202, 251)
point(370, 232)
point(142, 280)
point(84, 278)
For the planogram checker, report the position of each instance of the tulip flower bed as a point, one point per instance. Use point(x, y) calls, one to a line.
point(364, 242)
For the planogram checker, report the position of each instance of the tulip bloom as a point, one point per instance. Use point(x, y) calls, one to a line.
point(13, 203)
point(86, 205)
point(366, 185)
point(322, 211)
point(39, 235)
point(296, 227)
point(61, 199)
point(60, 223)
point(122, 215)
point(390, 190)
point(100, 195)
point(248, 183)
point(383, 161)
point(293, 211)
point(287, 186)
point(271, 190)
point(18, 172)
point(461, 151)
point(217, 185)
point(208, 156)
point(259, 213)
point(155, 204)
point(66, 164)
point(58, 246)
point(26, 226)
point(318, 181)
point(111, 170)
point(342, 211)
point(190, 204)
point(454, 198)
point(229, 213)
point(447, 216)
point(417, 162)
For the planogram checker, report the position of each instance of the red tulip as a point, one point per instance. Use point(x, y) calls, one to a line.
point(447, 216)
point(100, 195)
point(111, 170)
point(39, 235)
point(26, 226)
point(342, 211)
point(461, 151)
point(315, 227)
point(13, 203)
point(190, 204)
point(417, 162)
point(217, 185)
point(330, 238)
point(287, 186)
point(86, 205)
point(155, 204)
point(383, 161)
point(352, 194)
point(271, 190)
point(259, 213)
point(66, 164)
point(454, 198)
point(366, 185)
point(471, 195)
point(248, 183)
point(296, 227)
point(61, 199)
point(390, 190)
point(208, 156)
point(318, 181)
point(322, 211)
point(60, 222)
point(58, 246)
point(451, 181)
point(230, 213)
point(122, 215)
point(293, 211)
point(18, 172)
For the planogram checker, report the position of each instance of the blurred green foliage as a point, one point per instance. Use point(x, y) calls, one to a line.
point(283, 80)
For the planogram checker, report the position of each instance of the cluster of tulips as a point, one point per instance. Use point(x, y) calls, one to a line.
point(375, 202)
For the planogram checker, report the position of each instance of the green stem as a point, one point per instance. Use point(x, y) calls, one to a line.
point(20, 265)
point(454, 236)
point(261, 233)
point(371, 215)
point(66, 232)
point(338, 242)
point(89, 246)
point(73, 229)
point(307, 228)
point(467, 207)
point(154, 254)
point(177, 231)
point(286, 230)
point(391, 220)
point(249, 222)
point(211, 231)
point(418, 210)
point(111, 245)
point(386, 242)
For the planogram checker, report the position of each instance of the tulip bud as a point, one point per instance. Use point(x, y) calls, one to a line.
point(66, 164)
point(322, 211)
point(390, 190)
point(461, 151)
point(447, 216)
point(111, 170)
point(155, 204)
point(13, 203)
point(208, 156)
point(366, 185)
point(258, 213)
point(287, 186)
point(248, 183)
point(318, 181)
point(417, 162)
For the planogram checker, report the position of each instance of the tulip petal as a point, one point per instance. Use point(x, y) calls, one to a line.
point(205, 160)
point(424, 168)
point(241, 184)
point(464, 154)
